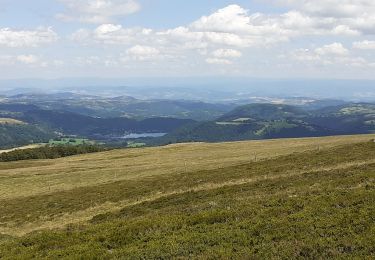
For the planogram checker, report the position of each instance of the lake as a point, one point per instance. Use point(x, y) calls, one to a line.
point(142, 135)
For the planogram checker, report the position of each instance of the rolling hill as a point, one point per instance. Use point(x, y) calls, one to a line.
point(268, 121)
point(263, 112)
point(15, 133)
point(121, 106)
point(248, 122)
point(346, 119)
point(76, 124)
point(290, 198)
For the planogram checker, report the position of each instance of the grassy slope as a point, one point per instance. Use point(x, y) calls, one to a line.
point(11, 121)
point(309, 204)
point(31, 146)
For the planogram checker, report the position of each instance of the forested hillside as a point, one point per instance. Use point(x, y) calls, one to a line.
point(268, 121)
point(13, 135)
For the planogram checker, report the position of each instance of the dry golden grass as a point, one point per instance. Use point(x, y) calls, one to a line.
point(29, 178)
point(82, 216)
point(31, 146)
point(11, 121)
point(205, 192)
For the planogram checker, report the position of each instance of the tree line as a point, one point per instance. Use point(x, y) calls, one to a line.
point(49, 152)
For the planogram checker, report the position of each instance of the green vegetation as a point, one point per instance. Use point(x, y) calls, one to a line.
point(13, 135)
point(70, 141)
point(106, 120)
point(264, 111)
point(49, 152)
point(269, 121)
point(310, 198)
point(132, 144)
point(100, 128)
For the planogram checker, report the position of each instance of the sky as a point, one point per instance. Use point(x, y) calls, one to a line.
point(304, 39)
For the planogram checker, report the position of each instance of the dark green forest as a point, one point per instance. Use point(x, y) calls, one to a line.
point(49, 152)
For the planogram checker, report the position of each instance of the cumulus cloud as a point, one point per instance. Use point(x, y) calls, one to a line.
point(97, 11)
point(232, 18)
point(221, 37)
point(107, 28)
point(227, 53)
point(229, 26)
point(346, 17)
point(234, 26)
point(218, 61)
point(27, 59)
point(142, 53)
point(331, 8)
point(334, 54)
point(112, 34)
point(30, 60)
point(26, 38)
point(332, 49)
point(364, 45)
point(323, 54)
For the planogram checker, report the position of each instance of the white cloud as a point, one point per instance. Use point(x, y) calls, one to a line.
point(232, 26)
point(347, 17)
point(332, 49)
point(27, 59)
point(142, 53)
point(364, 45)
point(329, 55)
point(325, 54)
point(97, 11)
point(225, 35)
point(113, 34)
point(24, 38)
point(218, 61)
point(332, 8)
point(107, 28)
point(232, 18)
point(226, 53)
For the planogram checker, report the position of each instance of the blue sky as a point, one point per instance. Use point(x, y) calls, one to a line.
point(148, 38)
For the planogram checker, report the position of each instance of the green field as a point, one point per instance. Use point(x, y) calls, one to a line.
point(131, 144)
point(70, 141)
point(281, 199)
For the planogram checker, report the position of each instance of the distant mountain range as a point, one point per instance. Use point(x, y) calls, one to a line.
point(109, 118)
point(100, 128)
point(122, 106)
point(265, 121)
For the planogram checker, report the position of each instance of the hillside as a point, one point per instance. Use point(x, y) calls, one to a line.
point(76, 124)
point(350, 118)
point(290, 198)
point(263, 112)
point(19, 134)
point(121, 106)
point(268, 121)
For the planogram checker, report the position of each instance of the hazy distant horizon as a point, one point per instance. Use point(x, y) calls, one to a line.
point(358, 90)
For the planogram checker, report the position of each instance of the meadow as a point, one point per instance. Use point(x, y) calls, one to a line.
point(287, 198)
point(70, 141)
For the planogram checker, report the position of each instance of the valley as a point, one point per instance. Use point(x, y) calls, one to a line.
point(174, 121)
